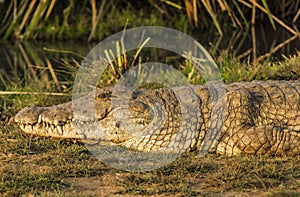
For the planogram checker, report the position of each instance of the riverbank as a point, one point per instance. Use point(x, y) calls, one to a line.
point(42, 72)
point(44, 78)
point(38, 166)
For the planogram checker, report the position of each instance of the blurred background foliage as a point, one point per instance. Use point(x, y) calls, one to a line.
point(46, 40)
point(93, 19)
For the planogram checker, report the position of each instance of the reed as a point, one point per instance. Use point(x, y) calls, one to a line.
point(25, 19)
point(93, 20)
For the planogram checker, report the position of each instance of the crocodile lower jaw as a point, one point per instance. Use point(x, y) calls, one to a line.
point(66, 130)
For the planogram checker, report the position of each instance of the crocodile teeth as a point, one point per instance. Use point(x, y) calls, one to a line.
point(59, 129)
point(30, 127)
point(49, 129)
point(40, 118)
point(22, 126)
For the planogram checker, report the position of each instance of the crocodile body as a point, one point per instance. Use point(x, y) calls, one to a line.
point(259, 117)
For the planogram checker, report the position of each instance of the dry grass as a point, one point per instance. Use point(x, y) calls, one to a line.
point(47, 167)
point(93, 20)
point(31, 165)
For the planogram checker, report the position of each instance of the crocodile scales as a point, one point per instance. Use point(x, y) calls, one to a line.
point(260, 117)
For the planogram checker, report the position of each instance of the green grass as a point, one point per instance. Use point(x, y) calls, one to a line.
point(91, 20)
point(212, 174)
point(95, 20)
point(232, 70)
point(287, 69)
point(47, 167)
point(33, 165)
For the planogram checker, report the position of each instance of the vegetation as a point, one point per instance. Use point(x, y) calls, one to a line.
point(33, 165)
point(75, 19)
point(43, 84)
point(93, 20)
point(36, 166)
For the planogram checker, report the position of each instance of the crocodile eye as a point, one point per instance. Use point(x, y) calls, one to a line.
point(136, 94)
point(118, 124)
point(103, 96)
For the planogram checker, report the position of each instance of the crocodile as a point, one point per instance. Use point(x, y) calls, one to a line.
point(257, 117)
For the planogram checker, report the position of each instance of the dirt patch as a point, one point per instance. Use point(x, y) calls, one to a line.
point(46, 167)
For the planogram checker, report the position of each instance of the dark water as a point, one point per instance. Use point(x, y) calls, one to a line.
point(19, 58)
point(240, 43)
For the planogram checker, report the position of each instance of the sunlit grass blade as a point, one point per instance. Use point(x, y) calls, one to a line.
point(36, 17)
point(139, 50)
point(173, 4)
point(269, 13)
point(274, 17)
point(50, 8)
point(26, 16)
point(16, 17)
point(189, 10)
point(245, 21)
point(213, 16)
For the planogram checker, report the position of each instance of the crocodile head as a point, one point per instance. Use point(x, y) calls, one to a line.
point(47, 121)
point(143, 120)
